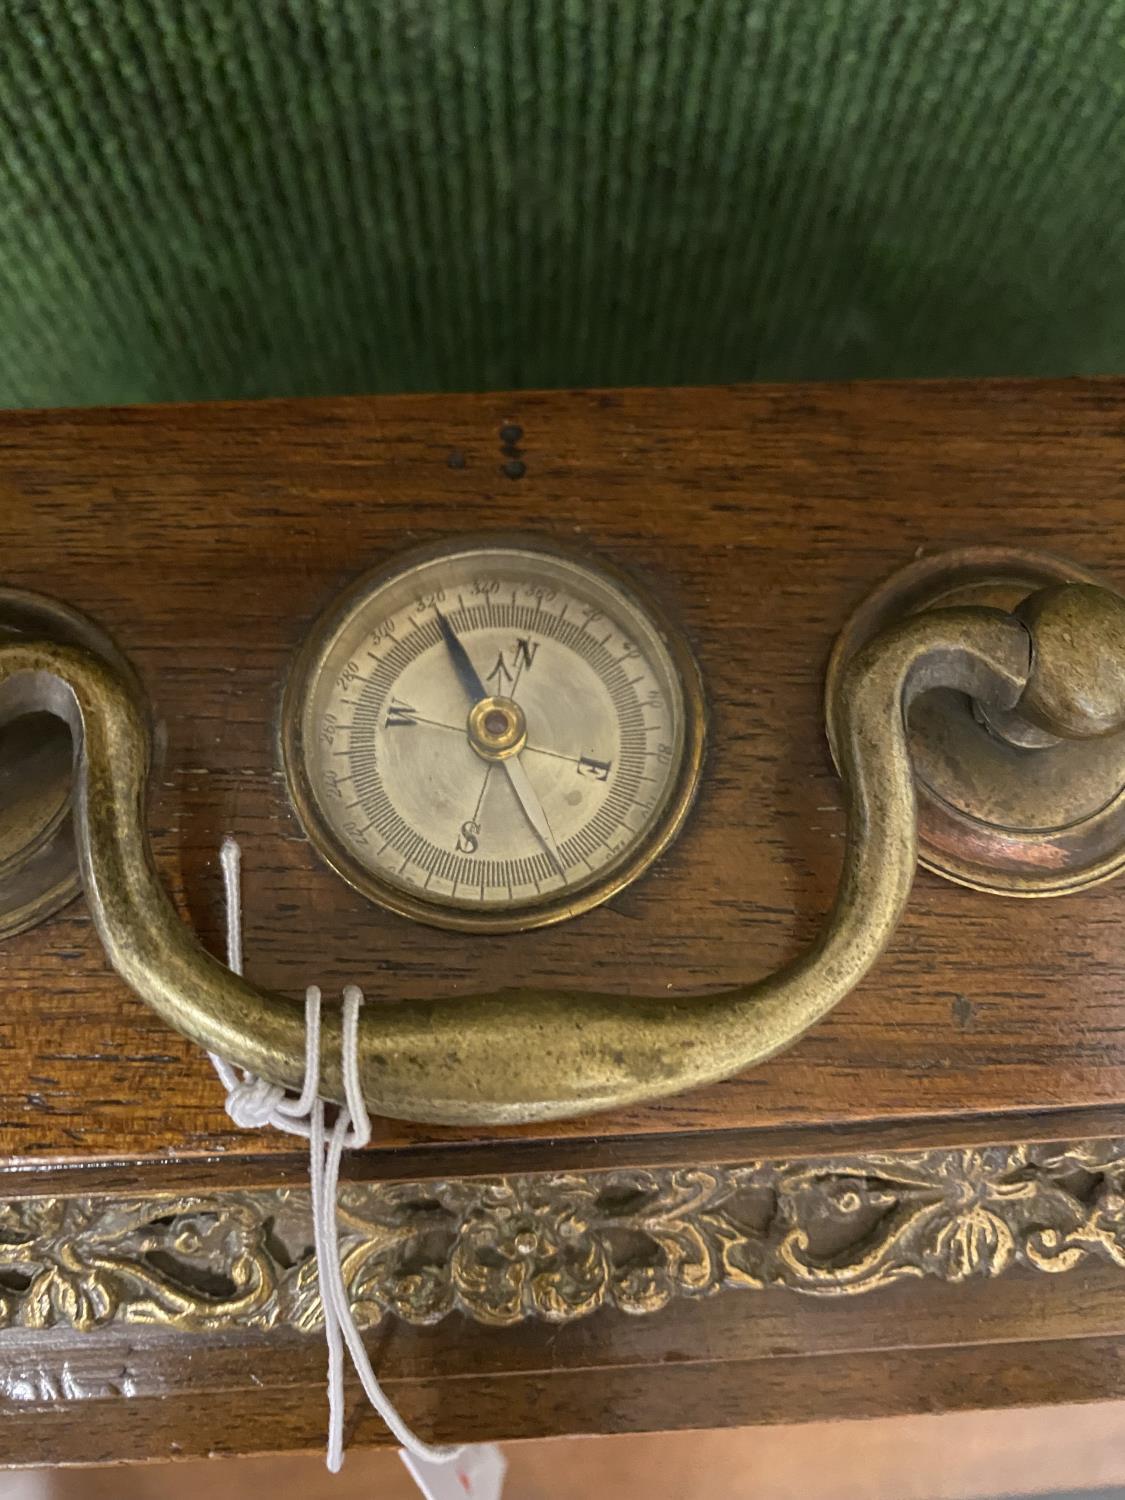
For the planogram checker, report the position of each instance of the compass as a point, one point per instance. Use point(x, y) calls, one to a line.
point(492, 735)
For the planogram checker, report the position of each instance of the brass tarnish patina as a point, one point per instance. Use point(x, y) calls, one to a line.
point(38, 862)
point(553, 1247)
point(521, 1054)
point(492, 733)
point(1023, 802)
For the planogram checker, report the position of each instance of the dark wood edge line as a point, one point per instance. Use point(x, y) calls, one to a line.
point(519, 1405)
point(454, 1160)
point(154, 413)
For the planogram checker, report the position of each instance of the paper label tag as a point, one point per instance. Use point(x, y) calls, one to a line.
point(477, 1473)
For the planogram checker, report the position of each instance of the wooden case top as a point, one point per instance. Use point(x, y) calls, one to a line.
point(206, 539)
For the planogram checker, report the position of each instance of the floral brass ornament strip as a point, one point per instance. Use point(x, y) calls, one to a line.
point(556, 1247)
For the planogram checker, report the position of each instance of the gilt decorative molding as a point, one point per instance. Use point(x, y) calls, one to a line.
point(557, 1247)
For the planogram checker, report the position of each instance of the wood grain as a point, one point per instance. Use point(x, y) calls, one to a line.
point(726, 1361)
point(206, 539)
point(952, 1456)
point(740, 1393)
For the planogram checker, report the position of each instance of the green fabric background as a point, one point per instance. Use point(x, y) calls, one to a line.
point(253, 197)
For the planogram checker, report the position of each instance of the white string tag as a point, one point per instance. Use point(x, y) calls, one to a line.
point(252, 1103)
point(476, 1474)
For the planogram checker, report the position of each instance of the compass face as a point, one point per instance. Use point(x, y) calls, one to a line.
point(492, 735)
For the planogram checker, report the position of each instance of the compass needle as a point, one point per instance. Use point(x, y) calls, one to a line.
point(462, 663)
point(525, 792)
point(436, 679)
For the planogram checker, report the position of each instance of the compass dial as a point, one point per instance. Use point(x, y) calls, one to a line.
point(492, 735)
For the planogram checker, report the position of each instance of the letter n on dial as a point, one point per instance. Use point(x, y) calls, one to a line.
point(492, 736)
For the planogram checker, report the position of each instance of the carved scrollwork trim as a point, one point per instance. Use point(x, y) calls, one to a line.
point(559, 1246)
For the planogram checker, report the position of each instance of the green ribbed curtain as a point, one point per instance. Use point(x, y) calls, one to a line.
point(207, 198)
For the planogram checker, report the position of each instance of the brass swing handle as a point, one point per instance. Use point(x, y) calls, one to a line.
point(522, 1055)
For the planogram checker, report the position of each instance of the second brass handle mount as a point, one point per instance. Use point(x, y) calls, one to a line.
point(1056, 664)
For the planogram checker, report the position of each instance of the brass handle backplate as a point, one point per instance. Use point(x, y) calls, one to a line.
point(1057, 664)
point(1031, 801)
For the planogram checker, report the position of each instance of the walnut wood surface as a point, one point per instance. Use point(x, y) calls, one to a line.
point(654, 1398)
point(727, 1361)
point(207, 538)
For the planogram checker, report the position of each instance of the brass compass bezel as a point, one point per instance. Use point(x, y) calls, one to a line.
point(554, 906)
